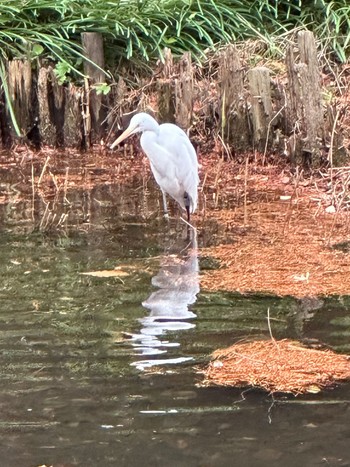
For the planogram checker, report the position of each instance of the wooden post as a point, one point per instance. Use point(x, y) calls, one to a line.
point(73, 121)
point(47, 128)
point(261, 105)
point(51, 98)
point(305, 101)
point(97, 103)
point(165, 90)
point(233, 106)
point(20, 90)
point(184, 92)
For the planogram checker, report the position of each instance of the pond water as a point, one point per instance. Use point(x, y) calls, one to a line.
point(101, 370)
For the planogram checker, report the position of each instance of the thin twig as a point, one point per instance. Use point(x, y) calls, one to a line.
point(43, 171)
point(269, 326)
point(190, 225)
point(245, 192)
point(33, 192)
point(227, 149)
point(268, 132)
point(330, 155)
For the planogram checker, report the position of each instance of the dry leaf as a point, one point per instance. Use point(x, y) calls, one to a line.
point(106, 273)
point(313, 389)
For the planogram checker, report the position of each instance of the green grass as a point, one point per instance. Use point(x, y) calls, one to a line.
point(137, 31)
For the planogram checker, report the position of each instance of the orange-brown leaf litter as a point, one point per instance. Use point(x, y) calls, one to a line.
point(284, 240)
point(276, 366)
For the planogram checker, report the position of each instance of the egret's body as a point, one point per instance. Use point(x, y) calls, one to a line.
point(173, 158)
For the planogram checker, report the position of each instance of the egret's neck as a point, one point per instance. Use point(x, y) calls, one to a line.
point(148, 139)
point(151, 126)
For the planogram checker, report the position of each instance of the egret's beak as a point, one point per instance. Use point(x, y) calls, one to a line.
point(128, 132)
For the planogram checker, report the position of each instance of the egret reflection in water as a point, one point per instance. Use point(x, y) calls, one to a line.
point(177, 284)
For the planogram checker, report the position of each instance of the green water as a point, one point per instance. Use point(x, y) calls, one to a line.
point(79, 384)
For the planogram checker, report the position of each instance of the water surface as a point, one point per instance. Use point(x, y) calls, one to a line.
point(101, 370)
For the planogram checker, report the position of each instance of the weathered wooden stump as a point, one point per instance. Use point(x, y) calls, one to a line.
point(96, 104)
point(51, 100)
point(233, 105)
point(305, 114)
point(20, 88)
point(184, 92)
point(73, 119)
point(261, 106)
point(165, 90)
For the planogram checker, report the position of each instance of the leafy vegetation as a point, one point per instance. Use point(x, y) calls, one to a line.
point(139, 30)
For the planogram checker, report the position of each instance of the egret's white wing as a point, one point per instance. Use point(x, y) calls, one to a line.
point(184, 157)
point(175, 136)
point(174, 162)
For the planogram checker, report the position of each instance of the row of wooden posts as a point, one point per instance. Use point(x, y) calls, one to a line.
point(254, 110)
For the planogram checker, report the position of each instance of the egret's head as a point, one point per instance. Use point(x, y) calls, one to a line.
point(139, 123)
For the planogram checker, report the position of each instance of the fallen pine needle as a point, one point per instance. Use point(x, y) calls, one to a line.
point(276, 366)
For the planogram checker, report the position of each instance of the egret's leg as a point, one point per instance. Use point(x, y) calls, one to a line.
point(166, 214)
point(187, 205)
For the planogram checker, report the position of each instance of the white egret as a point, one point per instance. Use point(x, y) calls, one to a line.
point(173, 159)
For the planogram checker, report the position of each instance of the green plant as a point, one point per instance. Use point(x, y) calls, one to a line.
point(139, 30)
